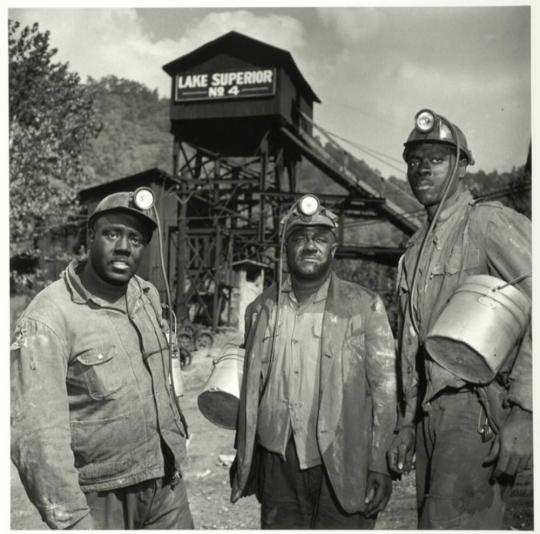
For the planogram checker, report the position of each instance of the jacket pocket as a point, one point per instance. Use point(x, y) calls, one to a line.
point(99, 371)
point(99, 447)
point(458, 262)
point(451, 267)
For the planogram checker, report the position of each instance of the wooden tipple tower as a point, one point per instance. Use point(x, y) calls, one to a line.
point(241, 116)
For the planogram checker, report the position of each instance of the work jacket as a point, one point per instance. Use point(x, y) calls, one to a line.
point(471, 238)
point(90, 396)
point(357, 402)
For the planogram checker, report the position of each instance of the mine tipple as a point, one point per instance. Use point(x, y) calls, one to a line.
point(236, 84)
point(241, 114)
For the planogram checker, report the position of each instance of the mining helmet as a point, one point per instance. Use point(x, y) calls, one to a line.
point(432, 128)
point(138, 202)
point(308, 212)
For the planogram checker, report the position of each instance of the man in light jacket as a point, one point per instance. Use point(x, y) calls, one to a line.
point(96, 436)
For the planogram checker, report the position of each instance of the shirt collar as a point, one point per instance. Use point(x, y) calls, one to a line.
point(319, 296)
point(81, 295)
point(464, 199)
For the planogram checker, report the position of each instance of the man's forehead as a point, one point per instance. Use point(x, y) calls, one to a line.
point(423, 148)
point(315, 229)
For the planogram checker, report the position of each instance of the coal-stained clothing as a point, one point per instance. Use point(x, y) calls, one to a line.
point(357, 391)
point(155, 504)
point(290, 402)
point(295, 498)
point(453, 484)
point(470, 238)
point(92, 408)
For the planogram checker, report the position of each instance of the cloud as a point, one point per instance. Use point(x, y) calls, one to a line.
point(282, 31)
point(473, 83)
point(278, 30)
point(371, 75)
point(99, 42)
point(352, 24)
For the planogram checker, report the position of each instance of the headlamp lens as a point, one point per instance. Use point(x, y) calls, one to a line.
point(425, 120)
point(143, 198)
point(308, 205)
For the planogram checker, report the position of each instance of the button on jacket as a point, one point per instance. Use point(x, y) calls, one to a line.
point(91, 397)
point(470, 238)
point(357, 391)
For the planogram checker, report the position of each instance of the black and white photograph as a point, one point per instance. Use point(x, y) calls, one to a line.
point(270, 266)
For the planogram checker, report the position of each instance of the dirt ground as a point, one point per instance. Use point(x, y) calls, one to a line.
point(206, 475)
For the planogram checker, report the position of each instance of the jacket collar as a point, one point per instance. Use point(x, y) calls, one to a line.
point(463, 201)
point(334, 303)
point(336, 323)
point(80, 295)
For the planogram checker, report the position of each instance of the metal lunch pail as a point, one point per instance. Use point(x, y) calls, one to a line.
point(478, 328)
point(219, 399)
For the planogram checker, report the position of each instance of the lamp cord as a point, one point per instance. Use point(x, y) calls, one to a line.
point(171, 321)
point(449, 181)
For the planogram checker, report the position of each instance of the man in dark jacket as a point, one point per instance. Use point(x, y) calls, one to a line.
point(470, 438)
point(96, 436)
point(318, 397)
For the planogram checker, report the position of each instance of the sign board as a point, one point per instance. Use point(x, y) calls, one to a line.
point(221, 85)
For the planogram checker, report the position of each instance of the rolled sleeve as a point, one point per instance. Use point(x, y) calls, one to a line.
point(381, 375)
point(40, 425)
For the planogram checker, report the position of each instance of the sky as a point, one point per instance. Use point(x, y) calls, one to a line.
point(372, 67)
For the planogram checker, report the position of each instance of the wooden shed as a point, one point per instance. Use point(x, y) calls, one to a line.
point(227, 94)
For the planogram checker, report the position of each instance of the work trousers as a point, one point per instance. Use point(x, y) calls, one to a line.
point(292, 498)
point(152, 504)
point(454, 489)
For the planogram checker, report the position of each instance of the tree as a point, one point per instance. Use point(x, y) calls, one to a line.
point(135, 133)
point(51, 119)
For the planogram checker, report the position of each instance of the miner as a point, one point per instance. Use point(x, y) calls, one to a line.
point(96, 435)
point(471, 437)
point(318, 396)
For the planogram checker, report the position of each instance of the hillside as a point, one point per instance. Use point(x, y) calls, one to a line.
point(134, 132)
point(135, 136)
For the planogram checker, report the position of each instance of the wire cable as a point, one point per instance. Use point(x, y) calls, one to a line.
point(275, 328)
point(370, 151)
point(172, 328)
point(450, 179)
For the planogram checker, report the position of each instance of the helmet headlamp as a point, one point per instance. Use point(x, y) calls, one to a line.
point(425, 120)
point(308, 205)
point(143, 198)
point(429, 127)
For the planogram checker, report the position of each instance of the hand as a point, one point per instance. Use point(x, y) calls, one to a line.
point(511, 451)
point(400, 454)
point(378, 491)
